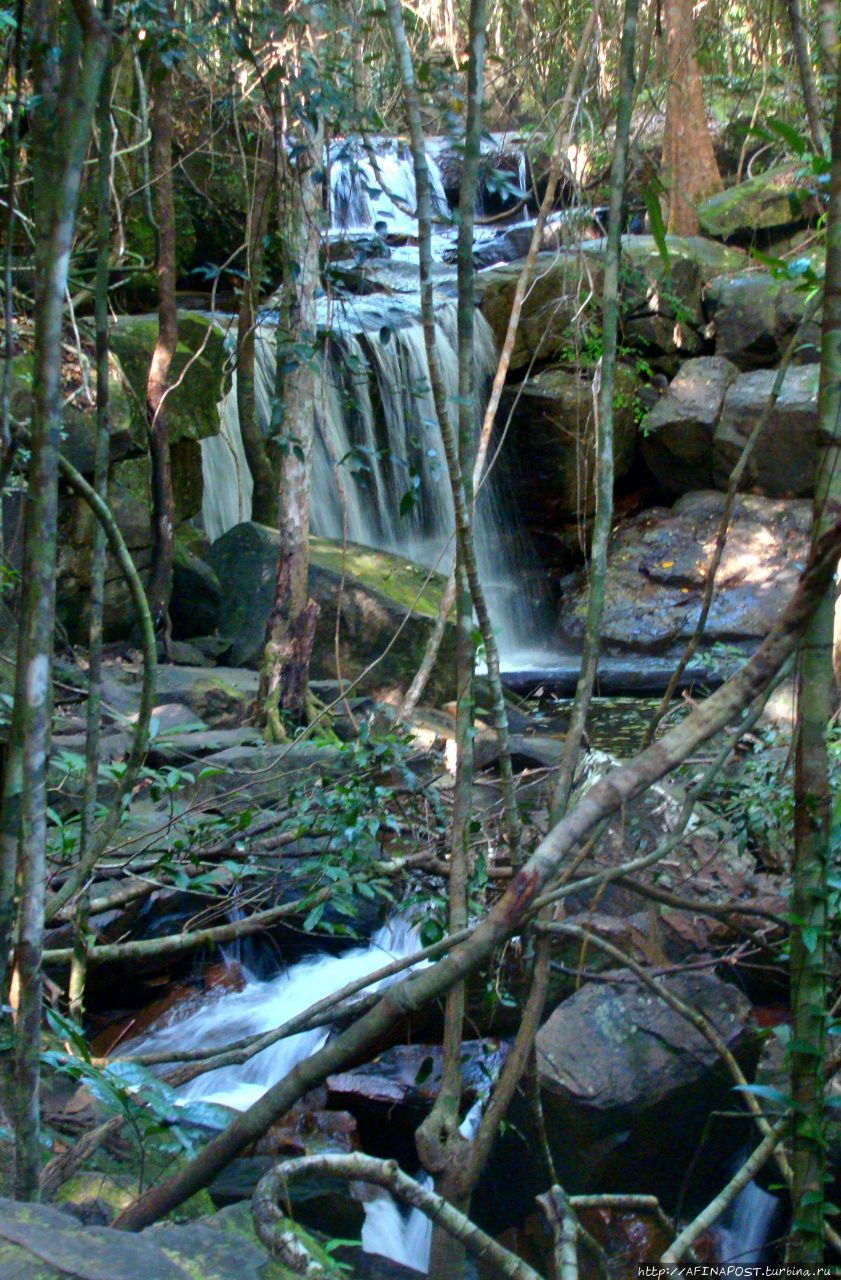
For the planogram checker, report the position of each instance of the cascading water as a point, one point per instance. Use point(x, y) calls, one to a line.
point(374, 188)
point(264, 1005)
point(377, 440)
point(746, 1229)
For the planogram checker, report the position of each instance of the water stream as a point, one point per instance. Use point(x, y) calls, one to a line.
point(263, 1005)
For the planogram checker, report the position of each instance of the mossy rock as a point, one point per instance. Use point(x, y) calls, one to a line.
point(191, 409)
point(380, 593)
point(768, 202)
point(661, 305)
point(40, 1242)
point(78, 430)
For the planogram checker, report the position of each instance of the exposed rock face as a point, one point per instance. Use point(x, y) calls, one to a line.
point(657, 568)
point(376, 598)
point(552, 437)
point(660, 307)
point(677, 435)
point(754, 317)
point(623, 1074)
point(769, 202)
point(783, 461)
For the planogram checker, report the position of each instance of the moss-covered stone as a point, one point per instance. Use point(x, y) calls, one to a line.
point(192, 407)
point(661, 306)
point(769, 201)
point(377, 598)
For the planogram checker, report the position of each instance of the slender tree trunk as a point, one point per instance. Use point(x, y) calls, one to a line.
point(813, 794)
point(163, 502)
point(76, 986)
point(689, 164)
point(67, 88)
point(604, 439)
point(264, 499)
point(441, 1145)
point(829, 35)
point(800, 40)
point(290, 632)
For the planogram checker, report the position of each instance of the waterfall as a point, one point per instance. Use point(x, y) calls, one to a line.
point(376, 441)
point(744, 1232)
point(379, 193)
point(407, 1236)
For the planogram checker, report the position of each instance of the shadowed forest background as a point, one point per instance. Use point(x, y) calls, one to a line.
point(419, 747)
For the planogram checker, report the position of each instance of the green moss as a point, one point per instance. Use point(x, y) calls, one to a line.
point(769, 200)
point(395, 577)
point(192, 411)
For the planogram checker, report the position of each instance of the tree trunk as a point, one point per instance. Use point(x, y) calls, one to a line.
point(290, 631)
point(264, 498)
point(689, 165)
point(800, 40)
point(66, 87)
point(597, 568)
point(163, 503)
point(76, 985)
point(813, 794)
point(829, 35)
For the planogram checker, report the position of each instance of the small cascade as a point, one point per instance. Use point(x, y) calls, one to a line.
point(523, 184)
point(744, 1233)
point(376, 190)
point(263, 1005)
point(406, 1237)
point(377, 440)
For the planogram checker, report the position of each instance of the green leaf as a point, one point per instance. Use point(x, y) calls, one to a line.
point(658, 228)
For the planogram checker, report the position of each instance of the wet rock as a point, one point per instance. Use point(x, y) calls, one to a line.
point(196, 595)
point(772, 201)
point(677, 434)
point(622, 1074)
point(410, 1075)
point(657, 568)
point(551, 442)
point(783, 462)
point(754, 317)
point(380, 593)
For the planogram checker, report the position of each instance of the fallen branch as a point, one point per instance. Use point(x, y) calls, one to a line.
point(272, 1225)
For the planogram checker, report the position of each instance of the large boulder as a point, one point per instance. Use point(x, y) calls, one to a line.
point(625, 1077)
point(192, 406)
point(552, 441)
point(677, 434)
point(657, 569)
point(377, 594)
point(661, 305)
point(770, 202)
point(754, 317)
point(783, 462)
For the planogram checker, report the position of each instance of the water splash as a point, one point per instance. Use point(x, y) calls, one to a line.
point(374, 188)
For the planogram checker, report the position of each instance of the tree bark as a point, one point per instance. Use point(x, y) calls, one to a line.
point(290, 631)
point(76, 985)
point(689, 164)
point(163, 502)
point(264, 498)
point(813, 792)
point(802, 54)
point(67, 87)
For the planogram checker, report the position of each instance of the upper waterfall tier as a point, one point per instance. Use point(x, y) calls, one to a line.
point(372, 188)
